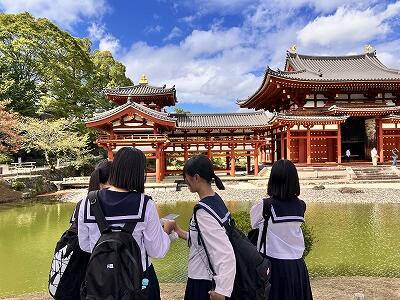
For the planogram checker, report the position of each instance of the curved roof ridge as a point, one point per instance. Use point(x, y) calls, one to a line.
point(377, 63)
point(306, 56)
point(221, 114)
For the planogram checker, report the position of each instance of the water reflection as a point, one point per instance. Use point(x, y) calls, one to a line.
point(352, 239)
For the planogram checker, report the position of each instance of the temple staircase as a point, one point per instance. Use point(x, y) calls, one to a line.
point(378, 173)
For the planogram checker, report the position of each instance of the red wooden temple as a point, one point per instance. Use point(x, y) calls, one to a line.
point(140, 121)
point(326, 105)
point(322, 106)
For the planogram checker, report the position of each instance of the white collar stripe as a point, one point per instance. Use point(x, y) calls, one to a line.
point(117, 218)
point(285, 217)
point(223, 220)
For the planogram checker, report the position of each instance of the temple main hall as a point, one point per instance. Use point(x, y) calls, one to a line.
point(310, 112)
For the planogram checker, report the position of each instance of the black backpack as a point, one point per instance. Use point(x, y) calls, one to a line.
point(253, 270)
point(68, 266)
point(253, 234)
point(115, 268)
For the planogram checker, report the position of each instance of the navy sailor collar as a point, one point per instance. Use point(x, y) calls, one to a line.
point(118, 207)
point(215, 206)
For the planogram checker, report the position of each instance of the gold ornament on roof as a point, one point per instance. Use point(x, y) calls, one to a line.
point(369, 49)
point(143, 79)
point(293, 49)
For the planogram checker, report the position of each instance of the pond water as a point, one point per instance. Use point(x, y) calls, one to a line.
point(352, 239)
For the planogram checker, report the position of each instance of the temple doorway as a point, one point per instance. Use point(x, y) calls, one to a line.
point(354, 138)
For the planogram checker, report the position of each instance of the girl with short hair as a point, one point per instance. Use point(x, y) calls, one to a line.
point(124, 201)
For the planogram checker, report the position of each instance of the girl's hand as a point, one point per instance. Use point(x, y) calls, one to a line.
point(181, 233)
point(216, 296)
point(169, 226)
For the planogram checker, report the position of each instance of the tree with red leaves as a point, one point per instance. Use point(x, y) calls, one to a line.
point(10, 139)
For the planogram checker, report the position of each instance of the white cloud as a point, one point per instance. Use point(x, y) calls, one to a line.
point(151, 29)
point(200, 75)
point(62, 12)
point(348, 25)
point(106, 40)
point(175, 32)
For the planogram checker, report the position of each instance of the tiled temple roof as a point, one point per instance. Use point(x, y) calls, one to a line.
point(364, 67)
point(139, 90)
point(305, 119)
point(347, 71)
point(137, 106)
point(222, 120)
point(365, 109)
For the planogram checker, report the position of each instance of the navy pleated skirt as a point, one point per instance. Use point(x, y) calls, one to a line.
point(197, 289)
point(289, 280)
point(154, 286)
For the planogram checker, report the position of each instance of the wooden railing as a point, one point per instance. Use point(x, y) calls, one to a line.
point(132, 137)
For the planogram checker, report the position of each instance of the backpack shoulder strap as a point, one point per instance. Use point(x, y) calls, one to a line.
point(201, 240)
point(267, 205)
point(130, 226)
point(98, 212)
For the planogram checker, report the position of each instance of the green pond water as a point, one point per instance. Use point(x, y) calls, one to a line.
point(352, 239)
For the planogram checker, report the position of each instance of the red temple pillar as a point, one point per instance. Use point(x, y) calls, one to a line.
point(288, 143)
point(263, 154)
point(308, 145)
point(158, 165)
point(282, 144)
point(110, 153)
point(185, 153)
point(339, 144)
point(273, 140)
point(248, 158)
point(163, 164)
point(233, 163)
point(256, 161)
point(380, 141)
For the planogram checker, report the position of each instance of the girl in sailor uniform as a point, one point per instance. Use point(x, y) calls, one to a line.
point(284, 244)
point(98, 180)
point(211, 214)
point(124, 201)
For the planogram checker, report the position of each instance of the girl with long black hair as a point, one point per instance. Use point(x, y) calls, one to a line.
point(284, 241)
point(211, 216)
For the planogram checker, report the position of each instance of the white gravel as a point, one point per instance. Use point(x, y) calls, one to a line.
point(244, 191)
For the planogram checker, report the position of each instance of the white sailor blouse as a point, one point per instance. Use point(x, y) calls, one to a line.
point(120, 208)
point(211, 218)
point(284, 236)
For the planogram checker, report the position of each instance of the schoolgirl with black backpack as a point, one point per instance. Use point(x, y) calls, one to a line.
point(68, 266)
point(223, 264)
point(122, 231)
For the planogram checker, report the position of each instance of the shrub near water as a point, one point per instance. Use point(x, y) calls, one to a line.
point(242, 221)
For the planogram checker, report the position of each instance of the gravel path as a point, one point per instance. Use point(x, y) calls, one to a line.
point(336, 288)
point(245, 191)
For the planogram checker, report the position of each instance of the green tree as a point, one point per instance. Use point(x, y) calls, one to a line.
point(45, 69)
point(56, 139)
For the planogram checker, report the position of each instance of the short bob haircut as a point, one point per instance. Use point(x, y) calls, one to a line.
point(284, 181)
point(128, 170)
point(202, 166)
point(99, 175)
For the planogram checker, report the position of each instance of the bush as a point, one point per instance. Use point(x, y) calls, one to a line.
point(17, 185)
point(242, 221)
point(5, 159)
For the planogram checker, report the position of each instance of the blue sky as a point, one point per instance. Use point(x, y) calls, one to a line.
point(216, 51)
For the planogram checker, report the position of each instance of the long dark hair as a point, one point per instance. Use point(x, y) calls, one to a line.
point(202, 166)
point(128, 169)
point(283, 181)
point(99, 175)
